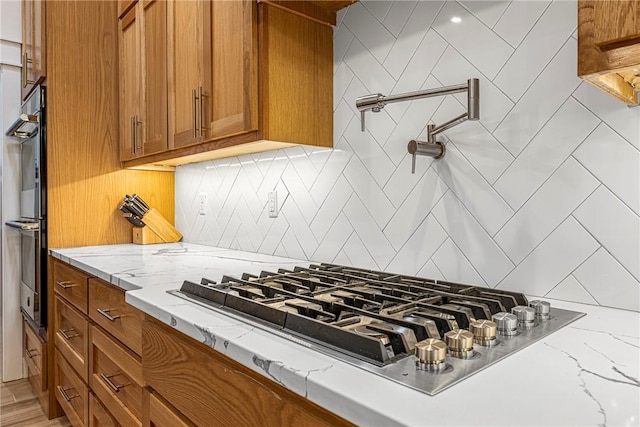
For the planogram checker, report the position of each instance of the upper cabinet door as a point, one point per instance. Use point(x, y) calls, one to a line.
point(617, 23)
point(189, 27)
point(129, 97)
point(232, 107)
point(33, 44)
point(153, 126)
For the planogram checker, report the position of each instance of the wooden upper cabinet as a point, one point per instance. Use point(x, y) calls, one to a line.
point(190, 51)
point(143, 79)
point(33, 44)
point(609, 46)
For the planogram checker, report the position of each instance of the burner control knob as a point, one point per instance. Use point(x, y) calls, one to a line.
point(460, 343)
point(542, 309)
point(484, 332)
point(526, 316)
point(430, 353)
point(506, 323)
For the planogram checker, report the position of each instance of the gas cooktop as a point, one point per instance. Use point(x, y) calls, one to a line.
point(423, 333)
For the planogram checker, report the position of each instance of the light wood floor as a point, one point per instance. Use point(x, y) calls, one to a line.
point(20, 407)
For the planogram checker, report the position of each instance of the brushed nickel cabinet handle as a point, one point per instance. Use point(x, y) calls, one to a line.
point(107, 380)
point(137, 140)
point(106, 314)
point(133, 135)
point(194, 97)
point(25, 78)
point(64, 393)
point(64, 333)
point(30, 353)
point(66, 284)
point(202, 117)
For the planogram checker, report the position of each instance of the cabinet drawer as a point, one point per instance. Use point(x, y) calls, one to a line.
point(98, 415)
point(109, 310)
point(158, 413)
point(72, 337)
point(71, 284)
point(116, 378)
point(71, 392)
point(35, 351)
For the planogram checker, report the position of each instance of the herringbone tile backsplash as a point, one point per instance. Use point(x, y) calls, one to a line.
point(541, 195)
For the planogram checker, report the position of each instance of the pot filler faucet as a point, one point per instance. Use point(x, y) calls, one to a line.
point(377, 101)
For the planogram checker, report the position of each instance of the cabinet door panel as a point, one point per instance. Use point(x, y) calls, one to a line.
point(617, 23)
point(154, 77)
point(129, 82)
point(189, 23)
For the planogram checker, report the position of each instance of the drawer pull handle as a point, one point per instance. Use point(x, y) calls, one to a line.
point(65, 333)
point(64, 393)
point(107, 380)
point(30, 353)
point(106, 314)
point(66, 284)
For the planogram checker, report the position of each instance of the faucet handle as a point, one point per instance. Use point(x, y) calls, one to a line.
point(362, 127)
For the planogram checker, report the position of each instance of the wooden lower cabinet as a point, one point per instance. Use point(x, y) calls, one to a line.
point(205, 385)
point(71, 392)
point(159, 413)
point(116, 378)
point(35, 352)
point(98, 415)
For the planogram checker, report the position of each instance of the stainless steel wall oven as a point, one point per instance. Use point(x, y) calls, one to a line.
point(30, 131)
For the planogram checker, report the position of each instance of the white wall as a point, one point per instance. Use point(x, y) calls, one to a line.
point(541, 195)
point(10, 36)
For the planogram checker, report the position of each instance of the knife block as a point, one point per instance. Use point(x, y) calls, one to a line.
point(157, 230)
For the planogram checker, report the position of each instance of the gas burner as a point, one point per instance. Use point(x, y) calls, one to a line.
point(423, 333)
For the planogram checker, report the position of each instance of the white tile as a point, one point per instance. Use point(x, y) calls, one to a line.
point(273, 235)
point(567, 188)
point(625, 120)
point(571, 290)
point(419, 248)
point(254, 235)
point(454, 266)
point(422, 62)
point(553, 144)
point(473, 39)
point(318, 156)
point(368, 69)
point(341, 81)
point(487, 11)
point(415, 209)
point(453, 68)
point(484, 152)
point(398, 15)
point(341, 41)
point(566, 248)
point(536, 50)
point(299, 228)
point(614, 225)
point(358, 254)
point(355, 89)
point(518, 20)
point(229, 232)
point(331, 208)
point(368, 231)
point(342, 116)
point(608, 282)
point(329, 174)
point(613, 161)
point(542, 99)
point(370, 194)
point(478, 247)
point(410, 37)
point(342, 259)
point(291, 245)
point(378, 8)
point(299, 193)
point(403, 181)
point(334, 239)
point(430, 271)
point(484, 203)
point(370, 153)
point(274, 172)
point(375, 37)
point(301, 162)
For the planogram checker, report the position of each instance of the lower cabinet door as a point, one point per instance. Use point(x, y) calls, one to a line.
point(35, 352)
point(158, 413)
point(115, 376)
point(71, 393)
point(98, 415)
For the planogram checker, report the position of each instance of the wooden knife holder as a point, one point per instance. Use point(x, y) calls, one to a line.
point(157, 230)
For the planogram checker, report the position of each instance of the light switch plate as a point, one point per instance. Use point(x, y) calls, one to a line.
point(272, 204)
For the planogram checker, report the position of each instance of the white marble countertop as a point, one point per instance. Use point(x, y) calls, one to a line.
point(585, 374)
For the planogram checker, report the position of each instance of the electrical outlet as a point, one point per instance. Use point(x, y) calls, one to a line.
point(202, 197)
point(272, 204)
